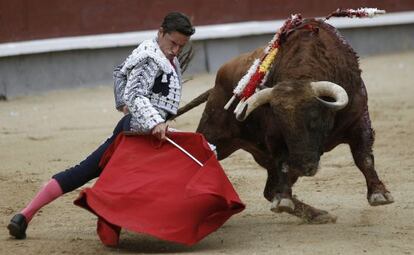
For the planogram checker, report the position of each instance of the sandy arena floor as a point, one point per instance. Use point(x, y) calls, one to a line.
point(40, 135)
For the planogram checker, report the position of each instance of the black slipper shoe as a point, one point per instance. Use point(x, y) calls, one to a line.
point(17, 226)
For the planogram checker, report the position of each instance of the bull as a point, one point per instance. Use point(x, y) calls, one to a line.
point(313, 100)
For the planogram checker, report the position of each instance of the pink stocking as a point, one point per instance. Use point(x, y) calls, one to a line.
point(49, 192)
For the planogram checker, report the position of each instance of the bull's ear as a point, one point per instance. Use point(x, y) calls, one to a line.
point(332, 90)
point(257, 99)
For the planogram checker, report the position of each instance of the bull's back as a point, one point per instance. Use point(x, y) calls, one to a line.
point(316, 51)
point(313, 51)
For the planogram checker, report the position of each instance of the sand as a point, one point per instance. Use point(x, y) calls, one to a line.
point(43, 134)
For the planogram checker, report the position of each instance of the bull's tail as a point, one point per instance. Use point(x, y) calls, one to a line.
point(194, 103)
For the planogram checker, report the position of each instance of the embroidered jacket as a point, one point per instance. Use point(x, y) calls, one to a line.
point(149, 85)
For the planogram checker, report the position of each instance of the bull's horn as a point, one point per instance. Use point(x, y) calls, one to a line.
point(256, 100)
point(330, 89)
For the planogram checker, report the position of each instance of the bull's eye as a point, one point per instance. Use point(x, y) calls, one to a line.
point(313, 119)
point(313, 124)
point(313, 114)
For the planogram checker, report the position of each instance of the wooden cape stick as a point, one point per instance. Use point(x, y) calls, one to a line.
point(183, 150)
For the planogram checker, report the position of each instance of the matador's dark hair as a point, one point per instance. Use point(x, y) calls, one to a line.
point(177, 21)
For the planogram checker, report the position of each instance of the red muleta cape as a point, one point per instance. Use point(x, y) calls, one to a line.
point(160, 191)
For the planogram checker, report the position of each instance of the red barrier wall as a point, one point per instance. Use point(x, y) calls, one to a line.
point(22, 20)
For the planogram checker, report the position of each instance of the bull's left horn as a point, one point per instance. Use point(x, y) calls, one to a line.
point(330, 89)
point(256, 100)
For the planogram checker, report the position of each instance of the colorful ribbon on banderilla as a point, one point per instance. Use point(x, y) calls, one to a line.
point(258, 72)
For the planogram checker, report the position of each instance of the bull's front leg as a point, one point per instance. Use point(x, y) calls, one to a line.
point(278, 190)
point(361, 142)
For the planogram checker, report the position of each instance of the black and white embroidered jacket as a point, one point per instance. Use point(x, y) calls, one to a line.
point(149, 85)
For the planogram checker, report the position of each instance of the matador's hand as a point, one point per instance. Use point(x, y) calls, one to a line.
point(125, 110)
point(159, 131)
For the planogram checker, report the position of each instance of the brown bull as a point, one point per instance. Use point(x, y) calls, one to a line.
point(313, 100)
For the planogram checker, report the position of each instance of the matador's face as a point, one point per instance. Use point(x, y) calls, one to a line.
point(171, 43)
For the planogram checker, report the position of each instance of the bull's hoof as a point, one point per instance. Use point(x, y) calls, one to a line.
point(282, 205)
point(380, 199)
point(324, 218)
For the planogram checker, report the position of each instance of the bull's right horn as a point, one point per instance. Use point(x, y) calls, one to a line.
point(333, 90)
point(256, 100)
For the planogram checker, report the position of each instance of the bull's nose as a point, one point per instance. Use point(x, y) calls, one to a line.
point(309, 173)
point(311, 170)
